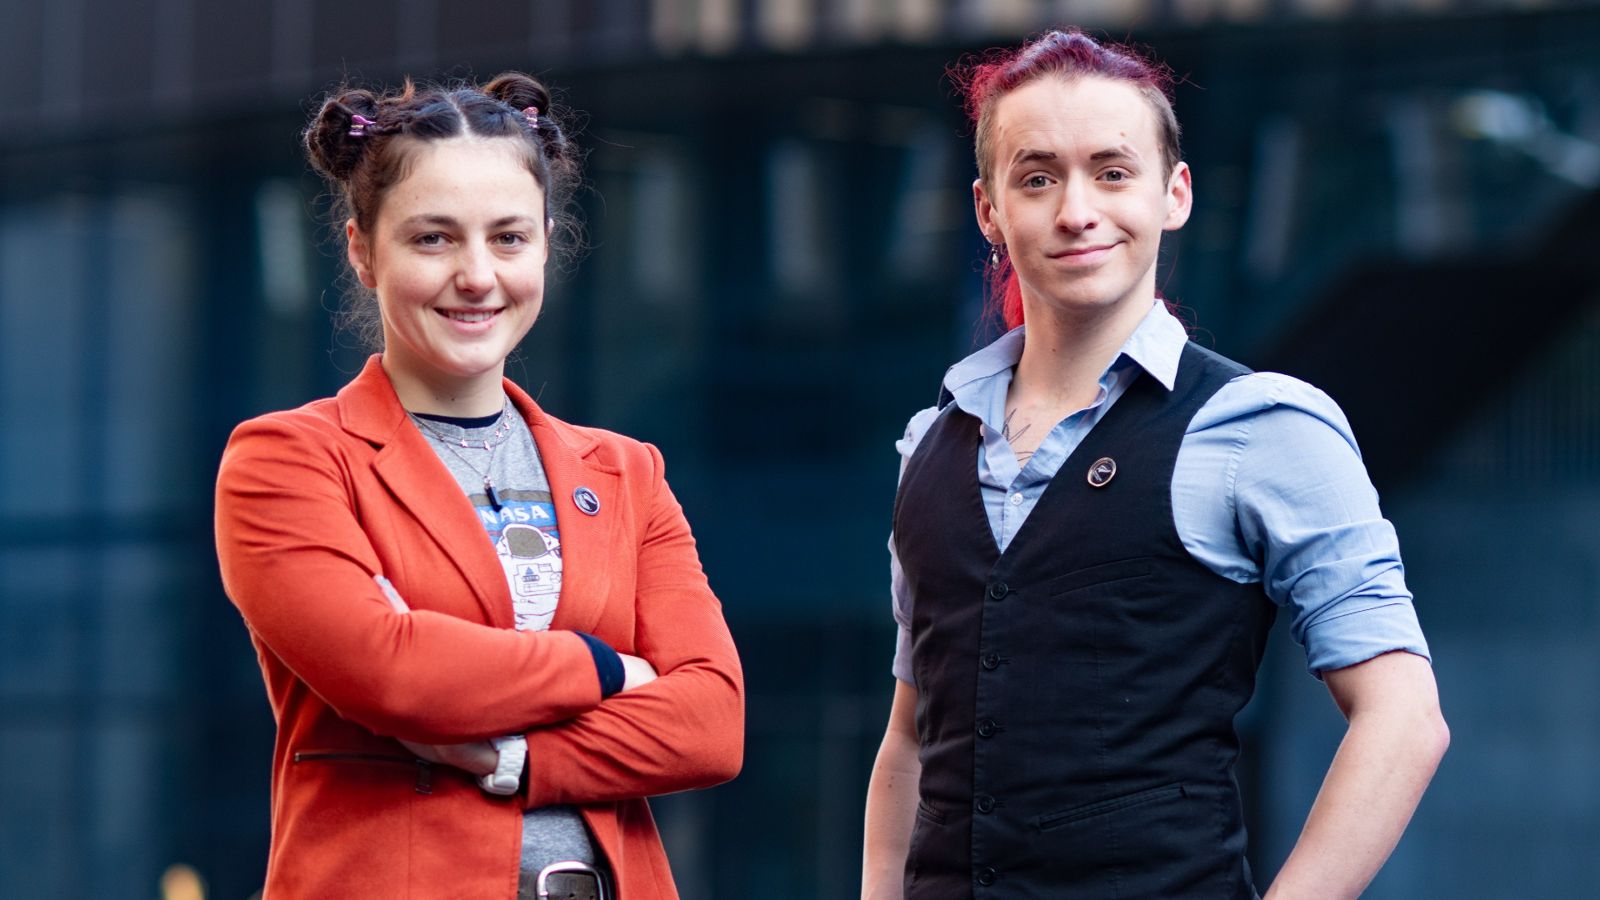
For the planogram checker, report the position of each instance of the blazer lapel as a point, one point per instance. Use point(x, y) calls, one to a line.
point(411, 470)
point(587, 541)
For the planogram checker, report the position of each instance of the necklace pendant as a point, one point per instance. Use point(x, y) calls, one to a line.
point(494, 498)
point(464, 443)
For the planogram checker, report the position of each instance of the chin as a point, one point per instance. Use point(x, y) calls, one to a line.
point(470, 366)
point(1095, 294)
point(1080, 301)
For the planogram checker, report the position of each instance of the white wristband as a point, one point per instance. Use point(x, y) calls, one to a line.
point(507, 774)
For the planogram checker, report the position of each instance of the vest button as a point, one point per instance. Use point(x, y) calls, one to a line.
point(985, 804)
point(991, 661)
point(986, 876)
point(987, 728)
point(998, 590)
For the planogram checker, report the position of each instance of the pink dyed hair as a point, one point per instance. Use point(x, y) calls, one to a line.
point(984, 79)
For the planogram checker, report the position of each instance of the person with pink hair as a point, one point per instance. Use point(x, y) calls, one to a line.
point(1094, 530)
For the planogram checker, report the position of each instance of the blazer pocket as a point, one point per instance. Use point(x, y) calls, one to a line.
point(423, 768)
point(305, 756)
point(1104, 573)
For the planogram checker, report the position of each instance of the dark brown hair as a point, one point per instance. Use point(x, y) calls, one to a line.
point(363, 142)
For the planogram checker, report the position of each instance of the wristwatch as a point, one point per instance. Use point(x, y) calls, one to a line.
point(507, 775)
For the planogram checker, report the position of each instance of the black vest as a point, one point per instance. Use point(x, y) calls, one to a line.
point(1076, 694)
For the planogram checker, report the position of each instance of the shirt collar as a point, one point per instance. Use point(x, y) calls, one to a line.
point(1156, 346)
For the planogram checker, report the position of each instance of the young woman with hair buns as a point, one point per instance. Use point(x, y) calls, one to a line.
point(485, 632)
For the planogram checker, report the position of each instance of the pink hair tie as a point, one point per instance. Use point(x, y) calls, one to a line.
point(531, 113)
point(359, 125)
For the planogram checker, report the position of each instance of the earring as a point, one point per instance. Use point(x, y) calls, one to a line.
point(994, 254)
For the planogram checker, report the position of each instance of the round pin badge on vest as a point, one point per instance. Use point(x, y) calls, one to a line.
point(586, 501)
point(1103, 470)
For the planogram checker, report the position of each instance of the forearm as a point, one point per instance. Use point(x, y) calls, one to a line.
point(408, 677)
point(682, 731)
point(892, 796)
point(501, 763)
point(891, 813)
point(1387, 757)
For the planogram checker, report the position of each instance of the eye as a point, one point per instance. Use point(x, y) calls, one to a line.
point(430, 239)
point(1115, 176)
point(1036, 181)
point(510, 239)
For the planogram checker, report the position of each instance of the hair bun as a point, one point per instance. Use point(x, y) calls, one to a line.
point(519, 92)
point(333, 150)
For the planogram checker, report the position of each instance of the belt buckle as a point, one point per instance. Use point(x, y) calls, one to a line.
point(571, 880)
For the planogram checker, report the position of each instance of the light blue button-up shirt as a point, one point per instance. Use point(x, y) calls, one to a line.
point(1269, 487)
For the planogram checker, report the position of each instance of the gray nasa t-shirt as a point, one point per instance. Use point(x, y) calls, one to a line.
point(525, 536)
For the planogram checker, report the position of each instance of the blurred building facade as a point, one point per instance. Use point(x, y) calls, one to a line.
point(1397, 199)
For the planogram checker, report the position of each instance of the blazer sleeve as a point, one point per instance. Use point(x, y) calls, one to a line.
point(297, 564)
point(682, 731)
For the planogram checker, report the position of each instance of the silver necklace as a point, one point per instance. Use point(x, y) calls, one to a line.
point(492, 443)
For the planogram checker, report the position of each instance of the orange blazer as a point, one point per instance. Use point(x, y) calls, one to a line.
point(314, 502)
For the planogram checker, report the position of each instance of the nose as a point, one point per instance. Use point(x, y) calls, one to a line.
point(1078, 212)
point(475, 272)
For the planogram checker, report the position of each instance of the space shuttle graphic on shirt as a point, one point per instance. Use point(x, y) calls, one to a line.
point(531, 558)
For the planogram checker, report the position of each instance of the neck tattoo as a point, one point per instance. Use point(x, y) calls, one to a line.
point(1009, 435)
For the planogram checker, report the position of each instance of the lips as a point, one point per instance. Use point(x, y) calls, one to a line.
point(1081, 251)
point(469, 316)
point(1083, 256)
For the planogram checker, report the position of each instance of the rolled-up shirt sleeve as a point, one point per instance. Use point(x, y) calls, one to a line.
point(902, 618)
point(1305, 519)
point(900, 595)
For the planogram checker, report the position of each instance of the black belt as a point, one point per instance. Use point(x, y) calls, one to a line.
point(572, 881)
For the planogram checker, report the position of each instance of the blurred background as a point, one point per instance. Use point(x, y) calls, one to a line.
point(1398, 200)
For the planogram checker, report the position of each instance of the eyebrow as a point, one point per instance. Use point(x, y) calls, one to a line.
point(1119, 152)
point(1029, 155)
point(450, 221)
point(1122, 151)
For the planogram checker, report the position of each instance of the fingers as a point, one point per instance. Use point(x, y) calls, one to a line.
point(476, 757)
point(637, 672)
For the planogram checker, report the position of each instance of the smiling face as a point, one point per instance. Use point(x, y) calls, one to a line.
point(1078, 196)
point(456, 256)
